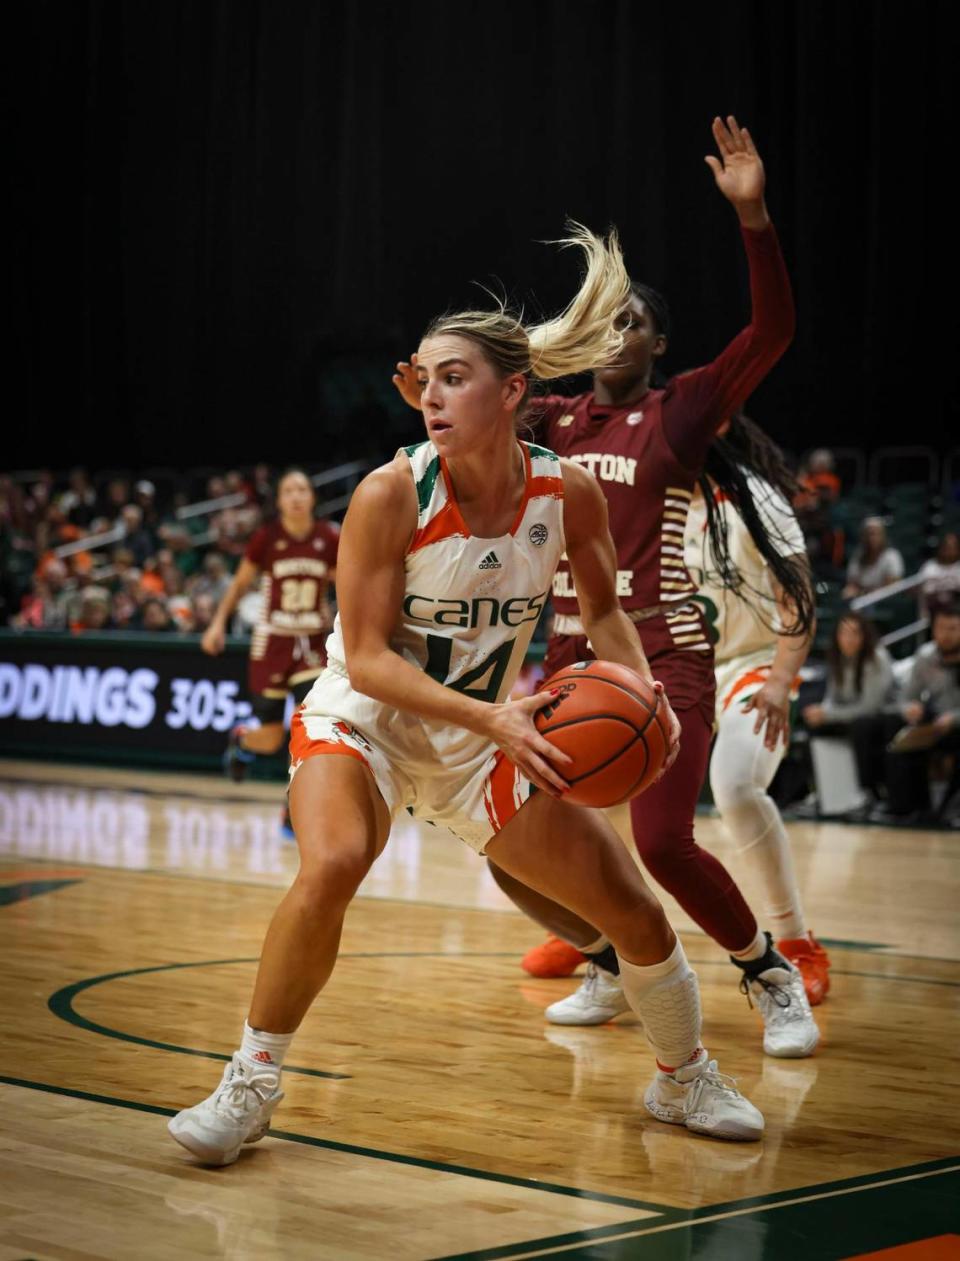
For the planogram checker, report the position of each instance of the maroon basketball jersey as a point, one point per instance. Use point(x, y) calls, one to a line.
point(296, 576)
point(646, 488)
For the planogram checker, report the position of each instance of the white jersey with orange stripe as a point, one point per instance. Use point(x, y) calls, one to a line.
point(469, 611)
point(471, 604)
point(743, 623)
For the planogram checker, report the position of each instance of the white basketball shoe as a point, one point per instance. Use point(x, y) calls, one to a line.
point(599, 998)
point(237, 1112)
point(704, 1100)
point(789, 1029)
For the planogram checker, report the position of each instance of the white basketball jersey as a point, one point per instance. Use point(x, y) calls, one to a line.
point(740, 621)
point(471, 604)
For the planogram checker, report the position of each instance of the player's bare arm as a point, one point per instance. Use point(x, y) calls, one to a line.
point(772, 701)
point(593, 562)
point(214, 637)
point(377, 531)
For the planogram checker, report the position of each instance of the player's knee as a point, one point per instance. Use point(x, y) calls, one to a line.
point(332, 877)
point(733, 794)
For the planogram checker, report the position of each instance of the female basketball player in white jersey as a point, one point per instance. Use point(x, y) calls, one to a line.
point(746, 551)
point(446, 557)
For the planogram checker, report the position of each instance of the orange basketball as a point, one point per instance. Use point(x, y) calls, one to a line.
point(611, 722)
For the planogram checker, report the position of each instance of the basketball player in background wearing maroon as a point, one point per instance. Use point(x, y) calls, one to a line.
point(647, 446)
point(297, 558)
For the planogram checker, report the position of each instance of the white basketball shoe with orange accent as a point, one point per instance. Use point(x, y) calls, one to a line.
point(237, 1112)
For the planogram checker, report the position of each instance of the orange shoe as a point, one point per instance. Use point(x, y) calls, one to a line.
point(809, 956)
point(553, 958)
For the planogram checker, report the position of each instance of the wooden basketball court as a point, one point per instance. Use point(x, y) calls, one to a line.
point(431, 1112)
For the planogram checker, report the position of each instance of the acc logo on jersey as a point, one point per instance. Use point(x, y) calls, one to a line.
point(635, 418)
point(539, 534)
point(565, 421)
point(319, 544)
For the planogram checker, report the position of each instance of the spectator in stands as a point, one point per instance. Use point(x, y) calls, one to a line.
point(930, 706)
point(179, 536)
point(859, 685)
point(45, 607)
point(819, 476)
point(154, 616)
point(941, 576)
point(78, 502)
point(875, 563)
point(151, 580)
point(171, 575)
point(181, 613)
point(263, 491)
point(145, 498)
point(115, 499)
point(122, 561)
point(94, 612)
point(213, 579)
point(123, 611)
point(137, 538)
point(204, 607)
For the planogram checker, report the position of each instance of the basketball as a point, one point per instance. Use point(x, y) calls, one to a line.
point(612, 724)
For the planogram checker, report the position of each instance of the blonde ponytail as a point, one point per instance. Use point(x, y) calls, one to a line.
point(583, 337)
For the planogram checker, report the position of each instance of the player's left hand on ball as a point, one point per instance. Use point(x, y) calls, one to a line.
point(772, 707)
point(512, 729)
point(673, 726)
point(405, 379)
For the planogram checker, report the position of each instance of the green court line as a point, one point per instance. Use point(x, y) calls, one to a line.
point(10, 894)
point(61, 1004)
point(370, 1153)
point(564, 1245)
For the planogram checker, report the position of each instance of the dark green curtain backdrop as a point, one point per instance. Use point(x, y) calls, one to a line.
point(211, 201)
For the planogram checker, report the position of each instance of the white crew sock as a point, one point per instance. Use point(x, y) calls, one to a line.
point(594, 947)
point(666, 997)
point(260, 1049)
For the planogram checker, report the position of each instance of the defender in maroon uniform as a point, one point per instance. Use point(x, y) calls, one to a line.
point(296, 556)
point(647, 446)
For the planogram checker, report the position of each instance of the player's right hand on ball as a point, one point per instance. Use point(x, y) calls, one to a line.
point(511, 728)
point(405, 379)
point(213, 640)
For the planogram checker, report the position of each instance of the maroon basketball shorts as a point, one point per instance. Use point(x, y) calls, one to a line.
point(280, 663)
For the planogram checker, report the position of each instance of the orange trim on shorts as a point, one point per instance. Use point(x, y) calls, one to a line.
point(498, 794)
point(302, 747)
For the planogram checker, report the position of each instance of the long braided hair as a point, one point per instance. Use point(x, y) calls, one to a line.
point(745, 449)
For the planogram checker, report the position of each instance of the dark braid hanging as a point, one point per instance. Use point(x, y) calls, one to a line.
point(746, 449)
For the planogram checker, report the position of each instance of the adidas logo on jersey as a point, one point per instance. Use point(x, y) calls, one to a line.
point(490, 561)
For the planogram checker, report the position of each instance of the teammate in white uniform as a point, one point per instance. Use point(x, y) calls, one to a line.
point(758, 655)
point(445, 559)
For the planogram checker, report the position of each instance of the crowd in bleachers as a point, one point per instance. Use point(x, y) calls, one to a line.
point(118, 555)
